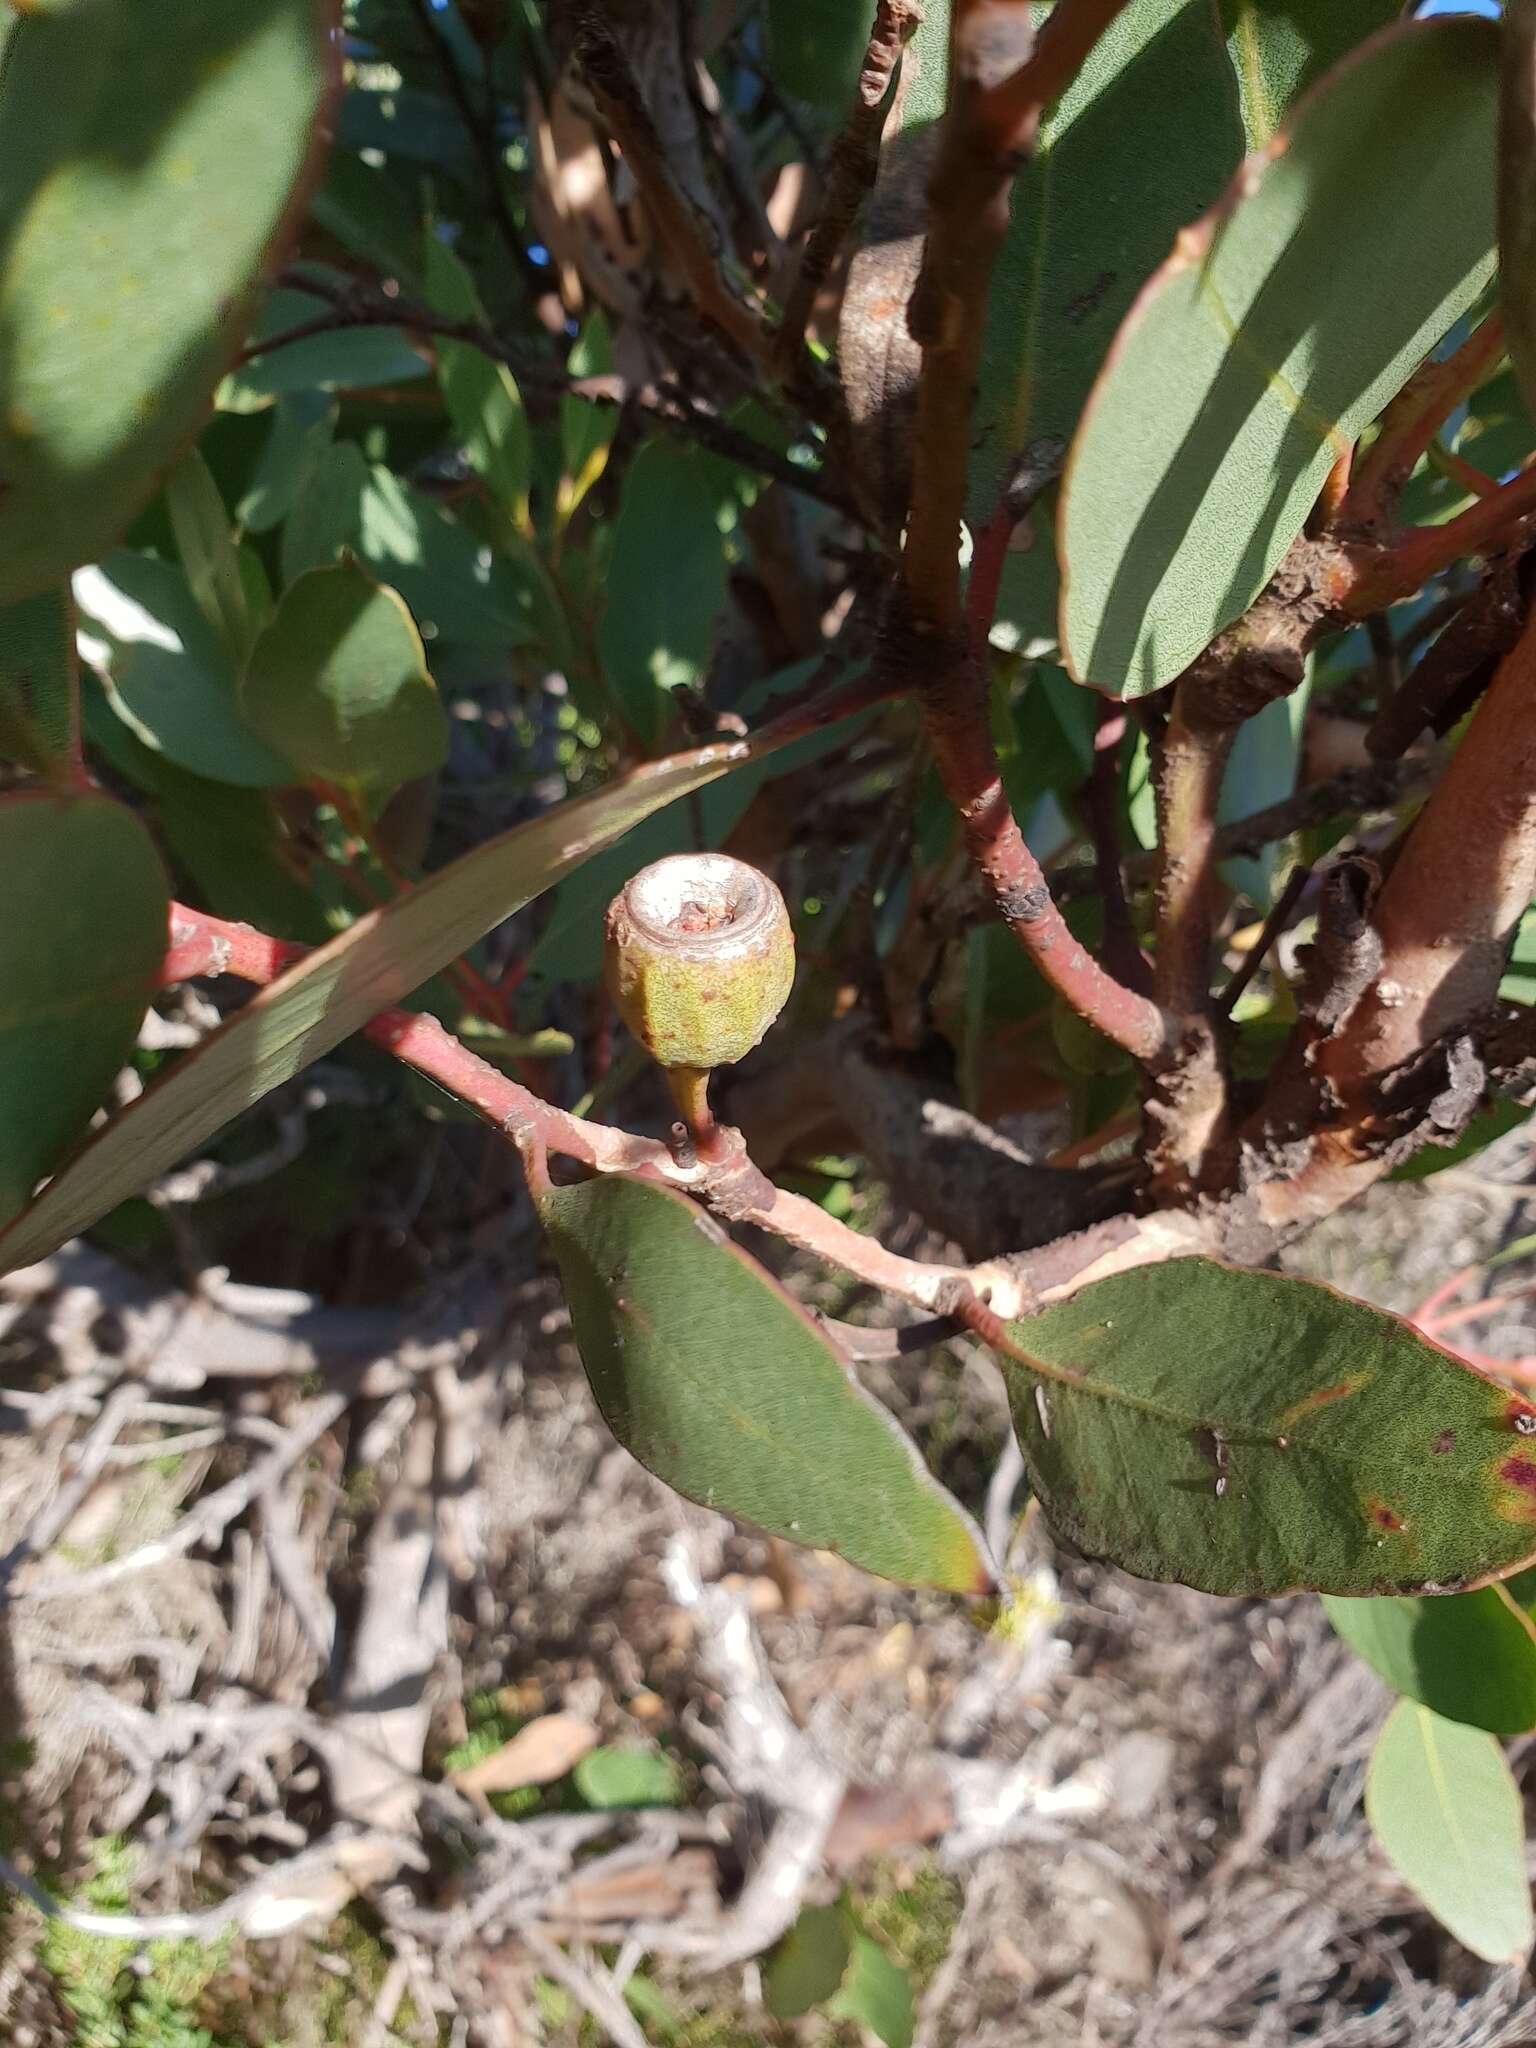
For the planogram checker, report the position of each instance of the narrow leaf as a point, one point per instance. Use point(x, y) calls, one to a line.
point(1467, 1656)
point(482, 398)
point(302, 425)
point(665, 581)
point(82, 932)
point(328, 516)
point(1252, 1433)
point(338, 684)
point(1517, 189)
point(208, 552)
point(149, 173)
point(1273, 335)
point(374, 963)
point(717, 1381)
point(1448, 1815)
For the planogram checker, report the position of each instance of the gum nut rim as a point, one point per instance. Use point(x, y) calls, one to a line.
point(705, 905)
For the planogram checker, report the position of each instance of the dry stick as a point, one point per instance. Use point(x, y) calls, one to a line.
point(851, 174)
point(1411, 422)
point(1276, 922)
point(989, 127)
point(1101, 806)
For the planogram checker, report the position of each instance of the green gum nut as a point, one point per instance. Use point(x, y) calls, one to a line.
point(700, 958)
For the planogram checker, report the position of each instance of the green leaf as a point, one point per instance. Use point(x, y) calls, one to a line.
point(1281, 47)
point(665, 583)
point(80, 941)
point(611, 1778)
point(1112, 181)
point(805, 1966)
point(38, 680)
point(1252, 1433)
point(208, 552)
point(587, 429)
point(302, 425)
point(146, 178)
point(338, 684)
point(350, 359)
point(1447, 1813)
point(1467, 1656)
point(816, 48)
point(169, 675)
point(376, 962)
point(1517, 190)
point(877, 1993)
point(328, 516)
point(718, 1382)
point(452, 583)
point(1273, 335)
point(483, 400)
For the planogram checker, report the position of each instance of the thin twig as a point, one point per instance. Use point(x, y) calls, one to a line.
point(1279, 917)
point(998, 86)
point(1412, 421)
point(851, 174)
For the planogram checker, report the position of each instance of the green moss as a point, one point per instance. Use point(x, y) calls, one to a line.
point(915, 1921)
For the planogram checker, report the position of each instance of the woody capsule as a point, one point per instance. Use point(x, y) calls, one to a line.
point(700, 960)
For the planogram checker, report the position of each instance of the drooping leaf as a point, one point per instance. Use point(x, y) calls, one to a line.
point(719, 1382)
point(1517, 189)
point(1467, 1656)
point(146, 177)
point(666, 578)
point(1271, 337)
point(805, 1966)
point(82, 931)
point(609, 1778)
point(1249, 1432)
point(1446, 1811)
point(376, 962)
point(170, 676)
point(482, 398)
point(208, 553)
point(338, 684)
point(586, 429)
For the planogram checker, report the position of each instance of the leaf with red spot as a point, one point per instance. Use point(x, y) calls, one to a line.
point(1254, 1433)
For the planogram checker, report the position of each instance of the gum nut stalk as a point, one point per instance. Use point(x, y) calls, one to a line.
point(700, 958)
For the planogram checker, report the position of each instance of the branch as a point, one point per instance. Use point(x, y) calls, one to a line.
point(851, 174)
point(688, 234)
point(664, 402)
point(1482, 632)
point(979, 153)
point(730, 1184)
point(1411, 422)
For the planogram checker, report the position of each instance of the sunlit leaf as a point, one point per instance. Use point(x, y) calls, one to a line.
point(1248, 1432)
point(1467, 1656)
point(722, 1385)
point(1272, 336)
point(338, 684)
point(1445, 1809)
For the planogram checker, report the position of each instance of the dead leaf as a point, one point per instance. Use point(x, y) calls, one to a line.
point(536, 1755)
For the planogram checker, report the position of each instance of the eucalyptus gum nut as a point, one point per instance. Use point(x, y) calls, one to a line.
point(700, 958)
